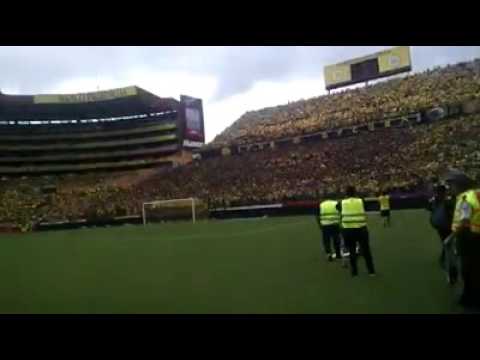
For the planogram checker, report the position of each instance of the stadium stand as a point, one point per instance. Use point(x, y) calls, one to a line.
point(440, 86)
point(47, 141)
point(399, 160)
point(116, 129)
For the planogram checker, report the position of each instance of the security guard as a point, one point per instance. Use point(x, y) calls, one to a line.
point(354, 230)
point(466, 229)
point(384, 200)
point(329, 222)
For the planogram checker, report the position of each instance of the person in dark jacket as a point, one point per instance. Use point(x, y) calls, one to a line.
point(442, 207)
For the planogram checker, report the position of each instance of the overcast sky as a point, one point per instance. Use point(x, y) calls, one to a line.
point(230, 80)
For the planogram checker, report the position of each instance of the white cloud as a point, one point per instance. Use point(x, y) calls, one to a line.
point(86, 84)
point(173, 83)
point(219, 115)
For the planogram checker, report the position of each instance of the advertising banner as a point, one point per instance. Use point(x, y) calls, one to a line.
point(85, 97)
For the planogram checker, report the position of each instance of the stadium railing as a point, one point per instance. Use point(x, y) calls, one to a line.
point(105, 133)
point(79, 167)
point(89, 145)
point(91, 155)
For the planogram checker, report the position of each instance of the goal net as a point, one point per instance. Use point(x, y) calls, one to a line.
point(189, 209)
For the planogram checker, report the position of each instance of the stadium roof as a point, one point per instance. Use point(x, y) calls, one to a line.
point(125, 101)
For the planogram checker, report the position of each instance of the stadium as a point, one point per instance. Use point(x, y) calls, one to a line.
point(117, 205)
point(128, 128)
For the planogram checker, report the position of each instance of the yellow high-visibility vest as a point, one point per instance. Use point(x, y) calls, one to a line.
point(472, 197)
point(353, 213)
point(329, 214)
point(384, 202)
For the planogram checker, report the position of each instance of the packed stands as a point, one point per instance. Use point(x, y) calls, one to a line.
point(398, 159)
point(395, 159)
point(440, 86)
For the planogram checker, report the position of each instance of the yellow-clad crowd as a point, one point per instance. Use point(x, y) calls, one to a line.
point(394, 159)
point(441, 86)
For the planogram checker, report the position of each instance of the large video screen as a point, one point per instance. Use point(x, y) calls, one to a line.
point(364, 70)
point(381, 64)
point(193, 121)
point(194, 133)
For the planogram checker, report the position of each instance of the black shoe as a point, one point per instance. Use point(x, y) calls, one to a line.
point(467, 301)
point(441, 260)
point(452, 277)
point(329, 258)
point(464, 301)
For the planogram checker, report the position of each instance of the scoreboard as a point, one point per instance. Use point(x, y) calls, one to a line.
point(385, 63)
point(192, 121)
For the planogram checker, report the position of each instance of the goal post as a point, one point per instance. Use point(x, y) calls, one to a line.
point(173, 210)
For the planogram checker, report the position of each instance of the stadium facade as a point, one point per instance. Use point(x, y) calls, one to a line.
point(119, 129)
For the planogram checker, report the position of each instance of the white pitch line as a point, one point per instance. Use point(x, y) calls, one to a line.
point(261, 230)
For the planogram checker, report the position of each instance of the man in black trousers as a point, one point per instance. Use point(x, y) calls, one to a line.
point(442, 207)
point(355, 230)
point(328, 220)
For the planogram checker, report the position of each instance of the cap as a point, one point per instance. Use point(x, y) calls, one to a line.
point(440, 189)
point(350, 191)
point(457, 176)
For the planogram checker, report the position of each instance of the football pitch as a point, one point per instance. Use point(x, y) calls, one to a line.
point(256, 266)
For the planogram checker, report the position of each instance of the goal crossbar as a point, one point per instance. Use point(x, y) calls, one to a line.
point(192, 200)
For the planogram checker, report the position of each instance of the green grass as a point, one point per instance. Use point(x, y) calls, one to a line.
point(273, 265)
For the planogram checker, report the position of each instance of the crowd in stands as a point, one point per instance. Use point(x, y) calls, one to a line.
point(440, 86)
point(400, 159)
point(20, 206)
point(397, 159)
